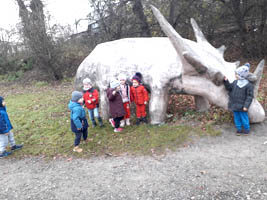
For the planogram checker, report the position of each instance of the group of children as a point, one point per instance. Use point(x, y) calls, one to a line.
point(120, 95)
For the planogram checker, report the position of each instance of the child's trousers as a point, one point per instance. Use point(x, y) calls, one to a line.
point(95, 113)
point(4, 139)
point(241, 119)
point(78, 135)
point(126, 107)
point(141, 111)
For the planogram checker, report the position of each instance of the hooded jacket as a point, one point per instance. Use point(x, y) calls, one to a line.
point(5, 124)
point(78, 116)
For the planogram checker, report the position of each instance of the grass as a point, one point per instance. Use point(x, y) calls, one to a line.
point(40, 117)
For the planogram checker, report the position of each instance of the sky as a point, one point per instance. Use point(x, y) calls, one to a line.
point(63, 12)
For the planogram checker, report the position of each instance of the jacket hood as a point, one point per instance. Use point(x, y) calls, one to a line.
point(72, 105)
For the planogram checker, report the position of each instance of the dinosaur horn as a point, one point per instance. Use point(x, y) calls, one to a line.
point(258, 73)
point(174, 37)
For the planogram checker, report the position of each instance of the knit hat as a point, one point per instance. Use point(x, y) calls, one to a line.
point(114, 83)
point(87, 81)
point(1, 101)
point(247, 64)
point(136, 78)
point(243, 71)
point(76, 95)
point(122, 77)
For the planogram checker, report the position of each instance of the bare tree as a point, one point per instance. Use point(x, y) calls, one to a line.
point(40, 43)
point(250, 17)
point(138, 10)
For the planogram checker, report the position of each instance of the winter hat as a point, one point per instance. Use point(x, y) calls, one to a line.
point(114, 83)
point(76, 95)
point(1, 101)
point(247, 64)
point(135, 77)
point(87, 81)
point(122, 77)
point(242, 71)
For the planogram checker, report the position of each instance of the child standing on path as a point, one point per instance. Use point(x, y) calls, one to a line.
point(140, 98)
point(126, 92)
point(5, 132)
point(79, 124)
point(240, 98)
point(115, 105)
point(90, 97)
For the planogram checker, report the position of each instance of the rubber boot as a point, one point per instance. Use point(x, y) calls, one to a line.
point(144, 119)
point(100, 122)
point(138, 121)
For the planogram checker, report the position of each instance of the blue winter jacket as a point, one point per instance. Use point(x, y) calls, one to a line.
point(5, 124)
point(78, 116)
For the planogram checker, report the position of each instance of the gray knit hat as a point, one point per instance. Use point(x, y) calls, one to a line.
point(76, 95)
point(242, 71)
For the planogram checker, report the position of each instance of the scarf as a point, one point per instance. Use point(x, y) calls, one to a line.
point(241, 82)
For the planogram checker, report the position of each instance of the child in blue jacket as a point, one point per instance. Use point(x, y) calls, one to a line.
point(79, 124)
point(5, 132)
point(240, 97)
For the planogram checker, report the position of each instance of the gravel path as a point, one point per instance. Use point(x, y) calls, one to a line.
point(224, 167)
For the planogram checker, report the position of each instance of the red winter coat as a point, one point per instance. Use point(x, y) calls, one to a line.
point(139, 95)
point(116, 108)
point(91, 95)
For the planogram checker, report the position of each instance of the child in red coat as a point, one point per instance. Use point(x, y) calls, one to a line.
point(125, 93)
point(140, 98)
point(90, 97)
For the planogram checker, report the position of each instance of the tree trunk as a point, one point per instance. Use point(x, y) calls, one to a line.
point(139, 13)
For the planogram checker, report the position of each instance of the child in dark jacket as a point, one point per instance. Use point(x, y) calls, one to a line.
point(79, 124)
point(90, 97)
point(140, 98)
point(5, 132)
point(240, 98)
point(115, 105)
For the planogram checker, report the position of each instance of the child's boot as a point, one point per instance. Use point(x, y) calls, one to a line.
point(128, 122)
point(94, 124)
point(138, 121)
point(118, 130)
point(238, 132)
point(16, 147)
point(122, 123)
point(5, 154)
point(111, 121)
point(100, 122)
point(77, 149)
point(144, 119)
point(246, 132)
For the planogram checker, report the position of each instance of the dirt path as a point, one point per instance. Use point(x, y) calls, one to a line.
point(225, 167)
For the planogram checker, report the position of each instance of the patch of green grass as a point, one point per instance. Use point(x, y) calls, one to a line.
point(40, 84)
point(41, 122)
